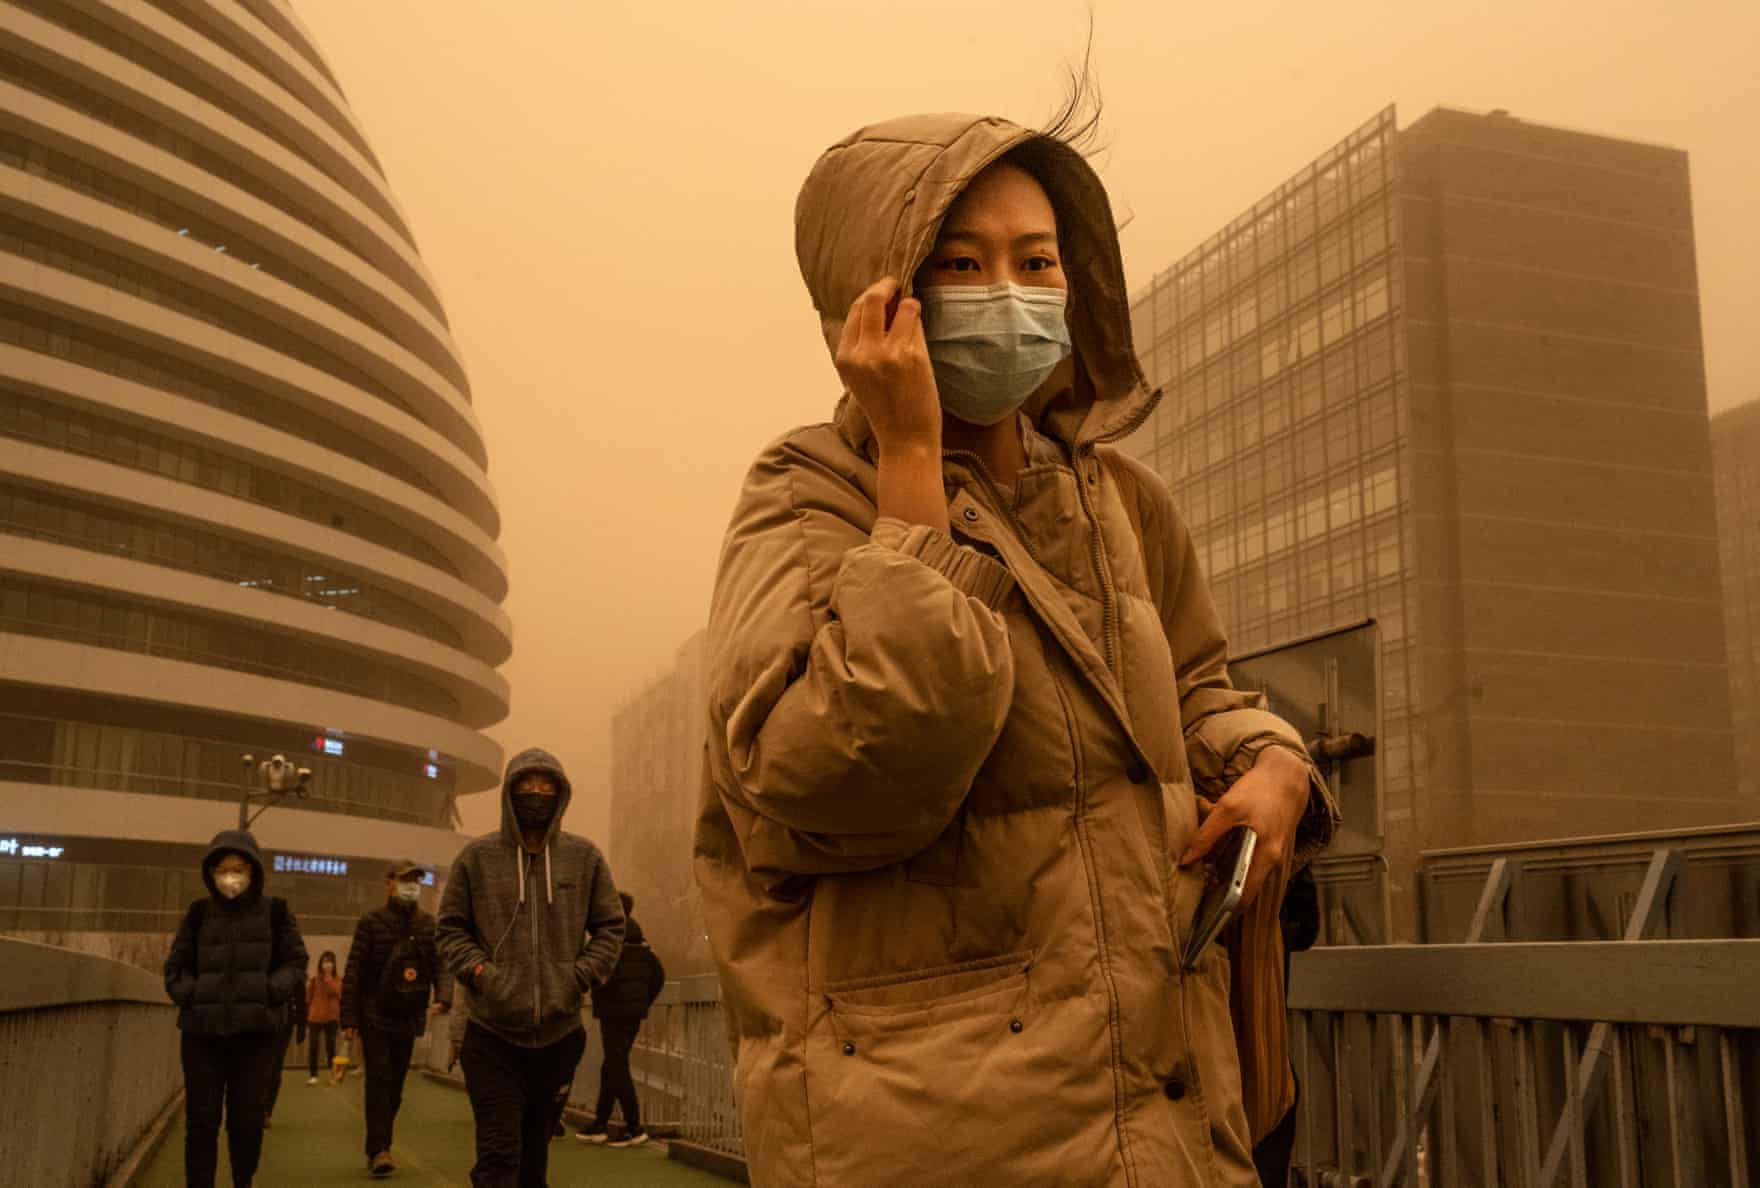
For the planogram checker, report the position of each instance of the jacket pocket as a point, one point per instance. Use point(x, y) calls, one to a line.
point(560, 995)
point(500, 999)
point(924, 991)
point(941, 1076)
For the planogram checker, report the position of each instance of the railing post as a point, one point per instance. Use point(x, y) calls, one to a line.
point(1625, 1121)
point(1494, 899)
point(1734, 1124)
point(1583, 1083)
point(1684, 1151)
point(1527, 1102)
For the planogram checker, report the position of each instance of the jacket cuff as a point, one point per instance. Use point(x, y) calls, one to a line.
point(1320, 820)
point(969, 571)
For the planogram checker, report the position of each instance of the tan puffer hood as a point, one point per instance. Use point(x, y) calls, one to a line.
point(908, 172)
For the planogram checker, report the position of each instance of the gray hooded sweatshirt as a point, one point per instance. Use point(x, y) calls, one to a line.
point(546, 927)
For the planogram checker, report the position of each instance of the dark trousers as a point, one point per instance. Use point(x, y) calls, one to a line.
point(327, 1033)
point(616, 1086)
point(513, 1092)
point(387, 1056)
point(225, 1075)
point(278, 1064)
point(1273, 1153)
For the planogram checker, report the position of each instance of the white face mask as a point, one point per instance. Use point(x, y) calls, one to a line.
point(232, 885)
point(992, 345)
point(409, 892)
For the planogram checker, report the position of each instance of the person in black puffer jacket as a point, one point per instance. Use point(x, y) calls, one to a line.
point(392, 975)
point(236, 964)
point(620, 1005)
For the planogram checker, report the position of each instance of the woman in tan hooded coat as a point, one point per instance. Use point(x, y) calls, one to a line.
point(966, 686)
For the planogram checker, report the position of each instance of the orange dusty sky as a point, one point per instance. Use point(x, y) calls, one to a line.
point(605, 192)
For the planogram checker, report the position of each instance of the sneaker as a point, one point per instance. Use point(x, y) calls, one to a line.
point(633, 1138)
point(311, 1080)
point(594, 1133)
point(381, 1165)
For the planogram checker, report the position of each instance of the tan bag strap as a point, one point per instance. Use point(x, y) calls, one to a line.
point(1254, 941)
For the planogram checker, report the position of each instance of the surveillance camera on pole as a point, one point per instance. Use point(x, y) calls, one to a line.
point(278, 777)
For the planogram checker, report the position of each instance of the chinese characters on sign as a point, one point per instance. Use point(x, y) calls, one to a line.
point(11, 847)
point(301, 864)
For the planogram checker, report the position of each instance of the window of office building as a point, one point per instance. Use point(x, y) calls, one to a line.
point(1280, 427)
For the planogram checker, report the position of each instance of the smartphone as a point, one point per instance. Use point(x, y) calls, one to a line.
point(1225, 878)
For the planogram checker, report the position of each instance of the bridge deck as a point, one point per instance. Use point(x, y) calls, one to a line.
point(318, 1131)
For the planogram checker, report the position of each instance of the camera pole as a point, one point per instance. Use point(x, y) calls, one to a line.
point(278, 776)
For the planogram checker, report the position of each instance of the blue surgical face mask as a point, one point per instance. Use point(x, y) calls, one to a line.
point(992, 345)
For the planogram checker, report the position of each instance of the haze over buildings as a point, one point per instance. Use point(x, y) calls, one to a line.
point(244, 504)
point(607, 193)
point(1449, 377)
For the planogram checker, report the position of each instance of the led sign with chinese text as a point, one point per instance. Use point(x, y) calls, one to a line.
point(308, 864)
point(11, 847)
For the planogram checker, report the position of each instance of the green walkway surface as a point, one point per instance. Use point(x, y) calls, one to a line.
point(318, 1133)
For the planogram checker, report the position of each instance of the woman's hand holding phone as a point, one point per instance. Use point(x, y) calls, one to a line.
point(1271, 799)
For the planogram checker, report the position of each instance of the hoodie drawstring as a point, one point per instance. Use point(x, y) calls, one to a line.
point(519, 861)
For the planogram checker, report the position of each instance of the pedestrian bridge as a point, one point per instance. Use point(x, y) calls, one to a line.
point(316, 1140)
point(1627, 1053)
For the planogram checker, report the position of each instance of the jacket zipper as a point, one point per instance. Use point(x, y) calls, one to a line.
point(983, 473)
point(1103, 947)
point(537, 965)
point(1083, 838)
point(1097, 554)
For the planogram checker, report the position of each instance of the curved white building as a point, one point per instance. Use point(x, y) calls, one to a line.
point(244, 504)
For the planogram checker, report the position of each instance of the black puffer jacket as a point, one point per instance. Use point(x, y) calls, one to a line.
point(376, 937)
point(636, 981)
point(236, 965)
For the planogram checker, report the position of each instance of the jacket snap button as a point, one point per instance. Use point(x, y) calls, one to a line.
point(1138, 773)
point(849, 1049)
point(971, 514)
point(1015, 1025)
point(1175, 1089)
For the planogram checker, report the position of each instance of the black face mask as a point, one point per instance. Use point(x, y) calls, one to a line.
point(532, 810)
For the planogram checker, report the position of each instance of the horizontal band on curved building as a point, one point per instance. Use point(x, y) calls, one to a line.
point(230, 407)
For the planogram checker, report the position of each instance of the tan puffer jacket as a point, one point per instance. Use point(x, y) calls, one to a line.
point(947, 778)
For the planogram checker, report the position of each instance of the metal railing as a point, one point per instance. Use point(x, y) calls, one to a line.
point(89, 1063)
point(1628, 1062)
point(683, 1066)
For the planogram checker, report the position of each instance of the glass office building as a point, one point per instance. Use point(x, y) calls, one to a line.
point(1448, 377)
point(244, 502)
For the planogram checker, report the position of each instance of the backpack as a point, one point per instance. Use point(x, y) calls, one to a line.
point(405, 981)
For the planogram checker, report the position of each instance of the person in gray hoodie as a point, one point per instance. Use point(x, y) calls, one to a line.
point(529, 923)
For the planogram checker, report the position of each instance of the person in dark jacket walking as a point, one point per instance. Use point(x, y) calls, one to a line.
point(392, 982)
point(236, 964)
point(529, 923)
point(620, 1005)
